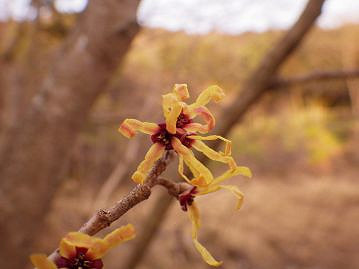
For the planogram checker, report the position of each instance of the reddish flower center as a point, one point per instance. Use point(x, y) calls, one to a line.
point(164, 137)
point(79, 261)
point(186, 198)
point(182, 120)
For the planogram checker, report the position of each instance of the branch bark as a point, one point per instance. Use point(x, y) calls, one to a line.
point(314, 76)
point(105, 217)
point(35, 149)
point(254, 88)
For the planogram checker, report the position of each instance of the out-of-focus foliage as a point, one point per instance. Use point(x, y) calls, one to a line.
point(306, 134)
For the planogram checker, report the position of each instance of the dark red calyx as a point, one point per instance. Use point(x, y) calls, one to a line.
point(186, 198)
point(79, 260)
point(164, 137)
point(182, 120)
point(182, 135)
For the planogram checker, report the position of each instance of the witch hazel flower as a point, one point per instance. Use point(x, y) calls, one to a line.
point(179, 132)
point(81, 251)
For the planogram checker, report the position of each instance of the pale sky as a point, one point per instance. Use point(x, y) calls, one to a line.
point(202, 16)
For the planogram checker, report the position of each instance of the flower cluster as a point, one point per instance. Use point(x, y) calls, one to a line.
point(180, 133)
point(78, 250)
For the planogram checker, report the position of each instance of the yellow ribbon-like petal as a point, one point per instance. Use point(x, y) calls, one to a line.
point(172, 108)
point(116, 237)
point(120, 235)
point(202, 190)
point(98, 248)
point(41, 261)
point(129, 127)
point(199, 182)
point(228, 143)
point(206, 256)
point(213, 92)
point(196, 167)
point(239, 170)
point(195, 219)
point(236, 192)
point(67, 249)
point(72, 240)
point(181, 168)
point(181, 91)
point(154, 153)
point(206, 115)
point(214, 155)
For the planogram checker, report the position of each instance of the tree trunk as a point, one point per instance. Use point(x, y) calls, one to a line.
point(260, 80)
point(35, 150)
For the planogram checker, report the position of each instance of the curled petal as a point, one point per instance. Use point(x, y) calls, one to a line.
point(41, 261)
point(207, 189)
point(67, 249)
point(206, 256)
point(195, 219)
point(239, 170)
point(228, 143)
point(100, 246)
point(207, 116)
point(120, 235)
point(154, 153)
point(181, 168)
point(214, 93)
point(236, 192)
point(196, 167)
point(199, 182)
point(72, 240)
point(129, 127)
point(214, 155)
point(181, 91)
point(172, 108)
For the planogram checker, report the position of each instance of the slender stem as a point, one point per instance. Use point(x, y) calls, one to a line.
point(105, 217)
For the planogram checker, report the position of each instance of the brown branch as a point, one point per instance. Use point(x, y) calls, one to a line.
point(105, 217)
point(314, 76)
point(174, 189)
point(259, 80)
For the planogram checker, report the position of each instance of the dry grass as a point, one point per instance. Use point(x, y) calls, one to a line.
point(297, 223)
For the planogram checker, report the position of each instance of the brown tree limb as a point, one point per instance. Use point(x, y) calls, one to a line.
point(261, 78)
point(314, 76)
point(105, 217)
